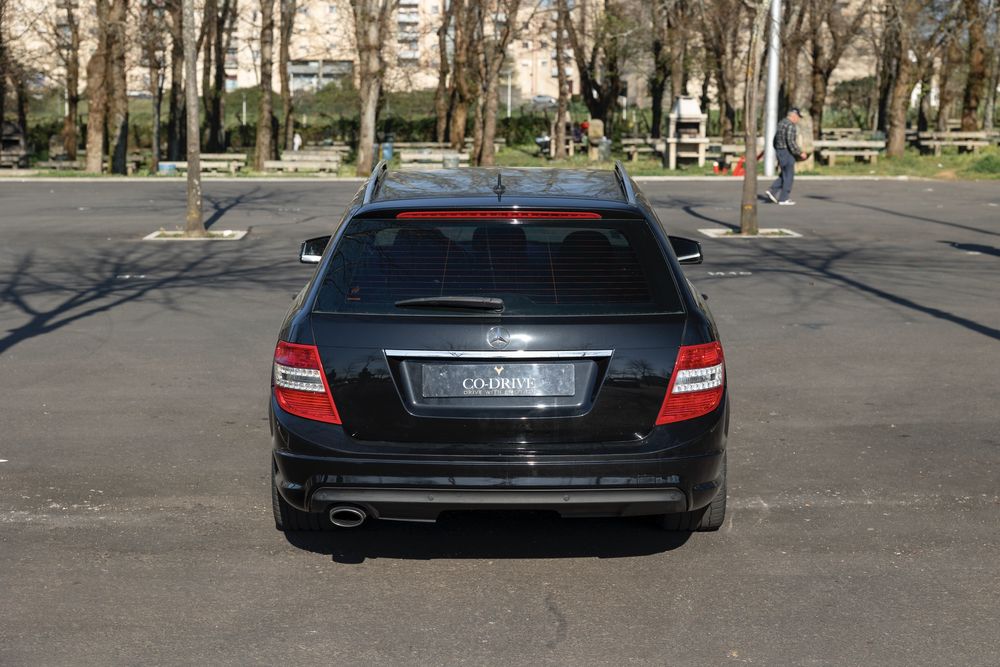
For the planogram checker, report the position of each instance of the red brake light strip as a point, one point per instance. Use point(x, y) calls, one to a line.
point(500, 215)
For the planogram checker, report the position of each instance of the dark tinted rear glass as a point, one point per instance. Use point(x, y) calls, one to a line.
point(599, 267)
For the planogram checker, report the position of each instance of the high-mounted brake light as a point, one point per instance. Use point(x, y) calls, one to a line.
point(500, 215)
point(300, 384)
point(696, 384)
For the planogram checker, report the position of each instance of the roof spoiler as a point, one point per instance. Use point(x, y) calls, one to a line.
point(374, 181)
point(625, 182)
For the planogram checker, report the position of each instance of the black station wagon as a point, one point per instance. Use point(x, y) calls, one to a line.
point(517, 339)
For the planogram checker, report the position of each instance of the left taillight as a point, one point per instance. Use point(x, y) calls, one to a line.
point(300, 385)
point(696, 385)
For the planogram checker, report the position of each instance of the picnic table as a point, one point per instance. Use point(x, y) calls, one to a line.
point(416, 160)
point(634, 146)
point(866, 149)
point(969, 141)
point(210, 162)
point(307, 160)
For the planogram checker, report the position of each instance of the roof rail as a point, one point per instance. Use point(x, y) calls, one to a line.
point(374, 181)
point(625, 182)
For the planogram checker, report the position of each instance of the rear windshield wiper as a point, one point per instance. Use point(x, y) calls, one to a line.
point(468, 302)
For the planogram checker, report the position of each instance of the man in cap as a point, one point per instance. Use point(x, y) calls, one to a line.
point(787, 149)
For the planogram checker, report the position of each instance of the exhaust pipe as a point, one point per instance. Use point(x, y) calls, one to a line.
point(347, 516)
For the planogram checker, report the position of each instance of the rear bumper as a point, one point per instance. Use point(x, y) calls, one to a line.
point(661, 474)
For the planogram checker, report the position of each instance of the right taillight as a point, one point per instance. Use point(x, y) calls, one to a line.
point(300, 385)
point(696, 385)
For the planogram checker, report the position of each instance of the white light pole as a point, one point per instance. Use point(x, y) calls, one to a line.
point(771, 99)
point(509, 72)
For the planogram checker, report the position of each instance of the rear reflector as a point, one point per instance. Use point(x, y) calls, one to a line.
point(696, 384)
point(300, 385)
point(500, 215)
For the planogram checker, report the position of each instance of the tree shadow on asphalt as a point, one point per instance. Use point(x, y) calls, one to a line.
point(823, 265)
point(50, 295)
point(898, 214)
point(489, 535)
point(974, 248)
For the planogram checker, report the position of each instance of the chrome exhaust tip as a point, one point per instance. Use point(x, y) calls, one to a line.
point(347, 516)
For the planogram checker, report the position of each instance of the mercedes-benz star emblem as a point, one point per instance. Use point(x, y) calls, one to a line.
point(498, 338)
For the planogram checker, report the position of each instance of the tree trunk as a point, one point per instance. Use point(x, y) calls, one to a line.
point(21, 102)
point(976, 59)
point(820, 80)
point(991, 89)
point(899, 104)
point(264, 149)
point(950, 60)
point(371, 18)
point(215, 106)
point(442, 96)
point(657, 86)
point(288, 9)
point(117, 84)
point(70, 138)
point(97, 93)
point(175, 111)
point(755, 56)
point(562, 104)
point(194, 226)
point(461, 84)
point(207, 41)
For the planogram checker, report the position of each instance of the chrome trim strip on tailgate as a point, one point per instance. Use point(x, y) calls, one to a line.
point(500, 354)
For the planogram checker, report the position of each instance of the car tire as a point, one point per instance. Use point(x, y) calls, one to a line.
point(706, 519)
point(288, 518)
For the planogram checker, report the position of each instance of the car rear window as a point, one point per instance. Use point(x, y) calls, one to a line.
point(538, 267)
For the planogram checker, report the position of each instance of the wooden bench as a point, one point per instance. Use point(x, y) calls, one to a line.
point(838, 133)
point(210, 162)
point(415, 160)
point(59, 164)
point(633, 147)
point(831, 149)
point(328, 161)
point(969, 141)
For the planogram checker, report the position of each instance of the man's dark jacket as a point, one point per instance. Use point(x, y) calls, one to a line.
point(785, 137)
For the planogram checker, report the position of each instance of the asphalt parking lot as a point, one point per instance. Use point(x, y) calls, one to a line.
point(135, 524)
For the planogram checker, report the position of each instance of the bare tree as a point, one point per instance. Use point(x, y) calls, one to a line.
point(463, 73)
point(216, 35)
point(442, 94)
point(794, 37)
point(751, 105)
point(993, 82)
point(913, 36)
point(97, 91)
point(562, 104)
point(194, 226)
point(116, 81)
point(669, 43)
point(501, 17)
point(4, 4)
point(371, 28)
point(265, 115)
point(723, 32)
point(602, 42)
point(153, 29)
point(830, 34)
point(976, 59)
point(176, 110)
point(288, 9)
point(951, 58)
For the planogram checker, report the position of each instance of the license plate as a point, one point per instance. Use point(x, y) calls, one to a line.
point(452, 380)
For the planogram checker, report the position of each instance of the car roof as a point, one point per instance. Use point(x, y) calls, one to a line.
point(517, 184)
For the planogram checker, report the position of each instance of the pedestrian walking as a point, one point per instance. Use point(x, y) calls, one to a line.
point(296, 142)
point(787, 149)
